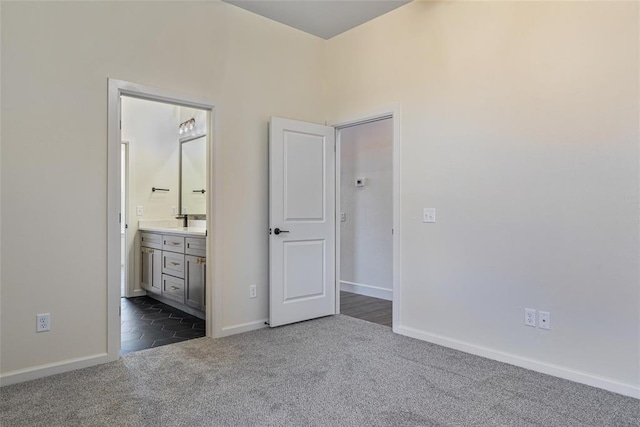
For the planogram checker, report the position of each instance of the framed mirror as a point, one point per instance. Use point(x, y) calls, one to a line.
point(193, 176)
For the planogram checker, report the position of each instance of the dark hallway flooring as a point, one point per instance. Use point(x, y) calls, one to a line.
point(371, 309)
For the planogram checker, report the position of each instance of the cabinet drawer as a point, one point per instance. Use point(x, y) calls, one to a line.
point(173, 288)
point(173, 264)
point(173, 243)
point(151, 240)
point(195, 246)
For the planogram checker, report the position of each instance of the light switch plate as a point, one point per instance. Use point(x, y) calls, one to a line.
point(429, 215)
point(343, 217)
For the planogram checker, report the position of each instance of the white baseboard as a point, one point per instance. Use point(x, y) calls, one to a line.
point(41, 371)
point(523, 362)
point(368, 290)
point(139, 292)
point(244, 327)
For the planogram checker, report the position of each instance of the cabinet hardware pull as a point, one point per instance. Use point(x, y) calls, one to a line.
point(174, 288)
point(201, 261)
point(175, 263)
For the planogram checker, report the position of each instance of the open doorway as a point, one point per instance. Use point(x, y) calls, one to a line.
point(198, 249)
point(365, 220)
point(164, 194)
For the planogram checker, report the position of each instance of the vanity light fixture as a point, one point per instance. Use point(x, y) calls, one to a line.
point(187, 127)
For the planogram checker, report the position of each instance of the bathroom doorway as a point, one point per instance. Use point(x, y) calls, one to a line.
point(168, 239)
point(164, 243)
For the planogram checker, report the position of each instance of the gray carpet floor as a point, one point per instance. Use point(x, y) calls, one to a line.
point(335, 371)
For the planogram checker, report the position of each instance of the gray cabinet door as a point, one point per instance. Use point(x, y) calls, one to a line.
point(151, 270)
point(173, 287)
point(195, 271)
point(173, 264)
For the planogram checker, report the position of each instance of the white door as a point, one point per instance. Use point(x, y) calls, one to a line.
point(301, 221)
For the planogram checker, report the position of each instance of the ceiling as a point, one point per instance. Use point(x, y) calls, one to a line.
point(323, 18)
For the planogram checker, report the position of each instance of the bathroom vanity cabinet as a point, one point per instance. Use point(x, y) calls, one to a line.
point(174, 269)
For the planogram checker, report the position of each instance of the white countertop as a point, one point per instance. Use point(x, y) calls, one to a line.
point(191, 231)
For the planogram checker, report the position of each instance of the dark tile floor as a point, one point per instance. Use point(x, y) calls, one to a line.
point(371, 309)
point(148, 323)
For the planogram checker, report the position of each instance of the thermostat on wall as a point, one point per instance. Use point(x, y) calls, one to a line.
point(360, 182)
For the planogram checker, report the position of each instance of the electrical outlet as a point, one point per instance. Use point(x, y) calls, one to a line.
point(343, 217)
point(253, 292)
point(428, 215)
point(139, 211)
point(43, 322)
point(544, 320)
point(530, 317)
point(174, 210)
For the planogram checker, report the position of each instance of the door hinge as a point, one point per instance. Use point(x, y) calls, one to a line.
point(121, 124)
point(392, 231)
point(119, 218)
point(119, 310)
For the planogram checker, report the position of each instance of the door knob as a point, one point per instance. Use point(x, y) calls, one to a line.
point(278, 231)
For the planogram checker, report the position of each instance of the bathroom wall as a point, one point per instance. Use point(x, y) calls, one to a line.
point(151, 128)
point(366, 245)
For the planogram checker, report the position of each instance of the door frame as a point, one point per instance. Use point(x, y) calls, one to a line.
point(393, 112)
point(125, 217)
point(116, 89)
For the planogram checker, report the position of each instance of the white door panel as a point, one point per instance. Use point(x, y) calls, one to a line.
point(304, 165)
point(301, 204)
point(304, 264)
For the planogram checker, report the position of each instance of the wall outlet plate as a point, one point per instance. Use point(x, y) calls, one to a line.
point(43, 322)
point(544, 320)
point(530, 317)
point(343, 217)
point(253, 291)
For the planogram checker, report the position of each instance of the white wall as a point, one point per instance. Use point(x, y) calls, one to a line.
point(519, 123)
point(366, 245)
point(151, 128)
point(152, 131)
point(56, 58)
